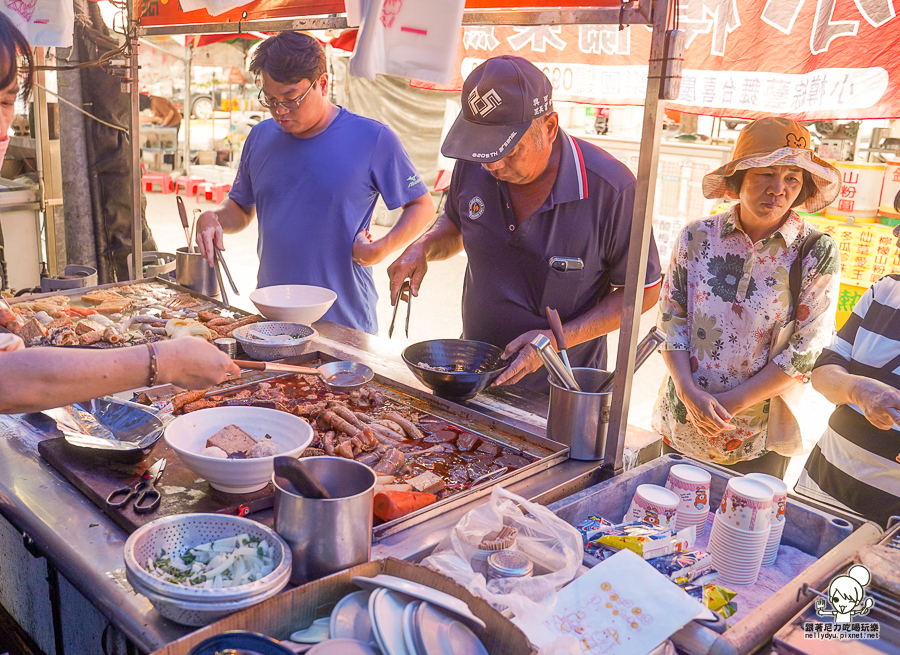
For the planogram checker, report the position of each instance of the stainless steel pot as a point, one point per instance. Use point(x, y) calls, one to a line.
point(327, 535)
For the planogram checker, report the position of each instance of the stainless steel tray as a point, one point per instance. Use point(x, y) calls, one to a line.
point(80, 291)
point(547, 452)
point(828, 536)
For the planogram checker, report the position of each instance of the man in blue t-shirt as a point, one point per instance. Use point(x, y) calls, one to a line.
point(312, 175)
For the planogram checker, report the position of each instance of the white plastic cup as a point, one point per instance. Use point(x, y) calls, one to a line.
point(691, 485)
point(779, 500)
point(653, 504)
point(779, 504)
point(747, 505)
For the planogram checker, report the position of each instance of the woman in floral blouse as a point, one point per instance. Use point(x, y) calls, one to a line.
point(727, 289)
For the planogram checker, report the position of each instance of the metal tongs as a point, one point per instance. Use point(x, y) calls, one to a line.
point(407, 286)
point(554, 364)
point(642, 351)
point(217, 255)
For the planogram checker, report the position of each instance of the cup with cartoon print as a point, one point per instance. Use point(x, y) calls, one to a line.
point(653, 504)
point(747, 505)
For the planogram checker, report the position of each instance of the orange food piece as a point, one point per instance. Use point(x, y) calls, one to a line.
point(390, 505)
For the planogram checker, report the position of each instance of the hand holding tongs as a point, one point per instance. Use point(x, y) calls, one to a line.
point(405, 286)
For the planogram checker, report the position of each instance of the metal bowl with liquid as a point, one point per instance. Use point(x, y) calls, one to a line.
point(346, 376)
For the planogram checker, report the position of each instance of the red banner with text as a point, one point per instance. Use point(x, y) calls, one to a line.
point(806, 59)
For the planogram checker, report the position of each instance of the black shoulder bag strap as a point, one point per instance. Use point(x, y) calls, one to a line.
point(795, 275)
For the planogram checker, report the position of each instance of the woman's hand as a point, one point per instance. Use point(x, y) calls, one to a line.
point(879, 402)
point(706, 413)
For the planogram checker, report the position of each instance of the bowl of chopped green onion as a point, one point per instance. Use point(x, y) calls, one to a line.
point(194, 567)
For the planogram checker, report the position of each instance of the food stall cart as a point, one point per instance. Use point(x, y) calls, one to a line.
point(85, 545)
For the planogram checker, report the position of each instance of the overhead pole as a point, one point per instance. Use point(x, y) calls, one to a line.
point(639, 241)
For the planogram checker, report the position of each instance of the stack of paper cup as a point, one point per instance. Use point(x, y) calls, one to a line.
point(740, 531)
point(653, 504)
point(779, 488)
point(691, 485)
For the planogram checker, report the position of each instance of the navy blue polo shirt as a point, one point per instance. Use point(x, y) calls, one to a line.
point(509, 280)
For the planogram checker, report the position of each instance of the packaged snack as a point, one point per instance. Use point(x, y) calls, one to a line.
point(647, 540)
point(591, 526)
point(682, 568)
point(716, 597)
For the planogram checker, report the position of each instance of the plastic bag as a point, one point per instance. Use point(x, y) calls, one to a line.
point(549, 542)
point(410, 39)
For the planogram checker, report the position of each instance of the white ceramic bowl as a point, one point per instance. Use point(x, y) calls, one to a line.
point(296, 303)
point(176, 534)
point(187, 436)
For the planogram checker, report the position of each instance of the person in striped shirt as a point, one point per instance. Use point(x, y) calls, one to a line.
point(856, 463)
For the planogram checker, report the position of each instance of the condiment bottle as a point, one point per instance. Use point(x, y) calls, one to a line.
point(508, 564)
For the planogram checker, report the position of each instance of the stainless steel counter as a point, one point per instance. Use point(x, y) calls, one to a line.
point(86, 546)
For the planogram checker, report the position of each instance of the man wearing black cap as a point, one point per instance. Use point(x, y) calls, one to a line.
point(544, 219)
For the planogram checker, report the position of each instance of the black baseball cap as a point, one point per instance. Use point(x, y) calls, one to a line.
point(500, 98)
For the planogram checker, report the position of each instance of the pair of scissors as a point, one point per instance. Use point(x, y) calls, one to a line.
point(144, 492)
point(407, 287)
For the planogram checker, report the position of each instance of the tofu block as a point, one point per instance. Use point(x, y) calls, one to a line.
point(232, 439)
point(428, 482)
point(32, 330)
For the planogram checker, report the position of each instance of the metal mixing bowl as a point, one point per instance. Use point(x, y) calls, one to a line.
point(346, 376)
point(471, 366)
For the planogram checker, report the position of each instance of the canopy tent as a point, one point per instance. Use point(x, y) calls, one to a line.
point(808, 69)
point(657, 15)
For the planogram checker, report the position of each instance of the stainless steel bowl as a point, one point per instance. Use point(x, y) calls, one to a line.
point(464, 367)
point(346, 376)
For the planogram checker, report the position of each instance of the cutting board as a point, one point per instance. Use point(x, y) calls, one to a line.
point(183, 491)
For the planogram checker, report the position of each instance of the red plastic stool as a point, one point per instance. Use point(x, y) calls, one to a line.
point(189, 182)
point(163, 180)
point(212, 191)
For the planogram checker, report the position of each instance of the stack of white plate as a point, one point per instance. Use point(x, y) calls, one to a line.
point(406, 618)
point(191, 605)
point(779, 505)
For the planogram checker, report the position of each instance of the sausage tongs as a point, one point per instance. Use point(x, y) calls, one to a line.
point(405, 286)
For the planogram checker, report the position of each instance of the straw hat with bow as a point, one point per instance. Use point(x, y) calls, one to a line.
point(775, 141)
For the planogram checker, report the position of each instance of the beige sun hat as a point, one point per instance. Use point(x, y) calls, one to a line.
point(775, 141)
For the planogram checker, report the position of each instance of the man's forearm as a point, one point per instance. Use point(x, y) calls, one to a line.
point(442, 241)
point(233, 217)
point(605, 317)
point(413, 219)
point(835, 383)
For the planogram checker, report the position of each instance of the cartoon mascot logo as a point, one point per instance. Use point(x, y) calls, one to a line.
point(847, 596)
